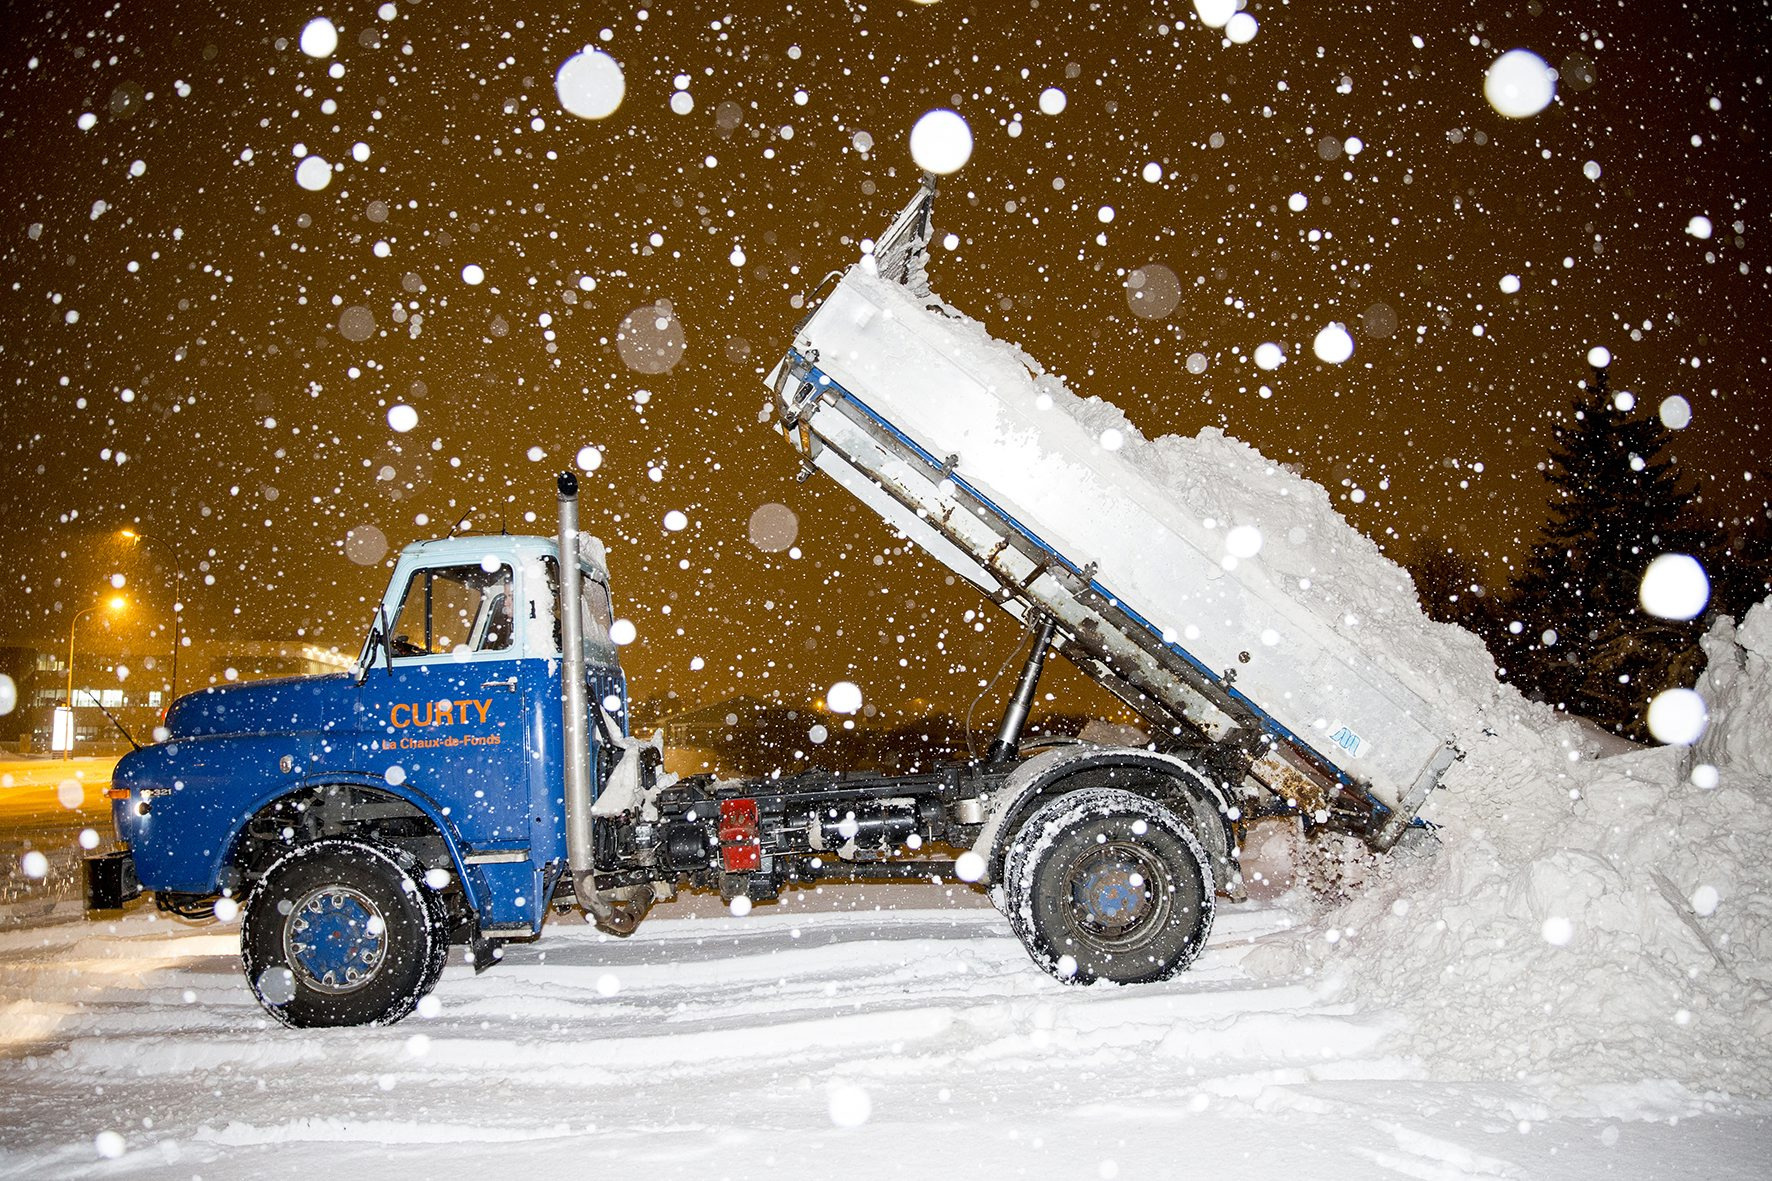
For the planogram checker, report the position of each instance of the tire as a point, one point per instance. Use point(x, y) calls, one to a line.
point(1102, 884)
point(440, 929)
point(339, 932)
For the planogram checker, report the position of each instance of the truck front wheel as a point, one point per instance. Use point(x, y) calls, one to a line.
point(1102, 884)
point(340, 932)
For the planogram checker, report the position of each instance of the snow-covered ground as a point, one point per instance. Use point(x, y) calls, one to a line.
point(819, 1034)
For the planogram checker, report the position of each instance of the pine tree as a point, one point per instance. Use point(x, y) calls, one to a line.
point(1584, 641)
point(1741, 565)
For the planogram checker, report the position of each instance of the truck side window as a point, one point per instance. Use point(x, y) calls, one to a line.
point(451, 608)
point(599, 612)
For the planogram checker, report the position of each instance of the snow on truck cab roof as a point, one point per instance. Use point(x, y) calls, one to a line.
point(591, 552)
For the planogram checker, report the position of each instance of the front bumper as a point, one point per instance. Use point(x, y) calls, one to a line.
point(111, 880)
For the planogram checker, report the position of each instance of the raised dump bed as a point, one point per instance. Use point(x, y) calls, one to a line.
point(961, 442)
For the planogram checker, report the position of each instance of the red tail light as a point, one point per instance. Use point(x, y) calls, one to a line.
point(740, 851)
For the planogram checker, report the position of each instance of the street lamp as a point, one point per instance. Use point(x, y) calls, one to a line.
point(115, 603)
point(177, 585)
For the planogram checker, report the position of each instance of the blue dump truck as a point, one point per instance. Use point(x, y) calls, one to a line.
point(474, 772)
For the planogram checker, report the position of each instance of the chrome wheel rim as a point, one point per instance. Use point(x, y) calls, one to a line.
point(335, 939)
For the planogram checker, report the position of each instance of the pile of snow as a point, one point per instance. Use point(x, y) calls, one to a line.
point(1737, 686)
point(1597, 923)
point(1581, 915)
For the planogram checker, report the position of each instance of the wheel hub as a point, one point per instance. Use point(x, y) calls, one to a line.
point(1112, 891)
point(336, 938)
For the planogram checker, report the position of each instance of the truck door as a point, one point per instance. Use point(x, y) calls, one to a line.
point(444, 713)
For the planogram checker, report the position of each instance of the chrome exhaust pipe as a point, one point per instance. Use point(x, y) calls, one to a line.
point(620, 911)
point(574, 718)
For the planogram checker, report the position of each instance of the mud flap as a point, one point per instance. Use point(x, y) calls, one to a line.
point(484, 952)
point(111, 880)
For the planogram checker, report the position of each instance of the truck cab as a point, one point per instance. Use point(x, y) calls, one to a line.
point(440, 748)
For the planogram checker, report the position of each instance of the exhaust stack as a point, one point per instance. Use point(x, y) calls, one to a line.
point(575, 734)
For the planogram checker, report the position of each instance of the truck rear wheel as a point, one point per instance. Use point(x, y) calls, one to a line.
point(341, 932)
point(1102, 884)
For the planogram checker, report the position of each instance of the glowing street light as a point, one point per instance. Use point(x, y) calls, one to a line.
point(114, 603)
point(178, 575)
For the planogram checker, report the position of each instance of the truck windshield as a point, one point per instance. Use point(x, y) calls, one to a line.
point(454, 608)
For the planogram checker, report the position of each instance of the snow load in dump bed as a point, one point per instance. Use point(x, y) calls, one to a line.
point(962, 442)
